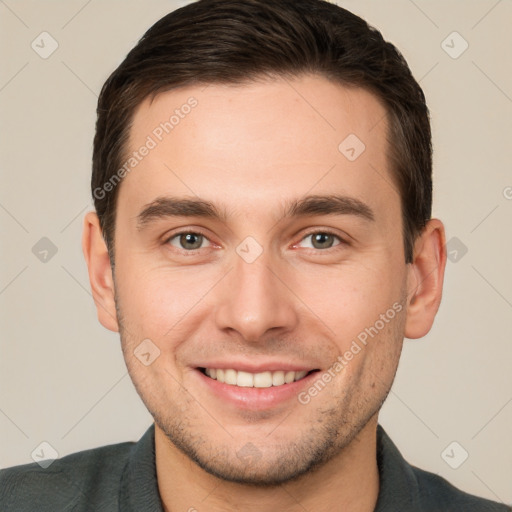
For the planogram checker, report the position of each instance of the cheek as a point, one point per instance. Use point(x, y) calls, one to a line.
point(156, 299)
point(352, 297)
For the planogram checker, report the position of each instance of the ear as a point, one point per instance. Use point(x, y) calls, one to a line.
point(100, 271)
point(425, 279)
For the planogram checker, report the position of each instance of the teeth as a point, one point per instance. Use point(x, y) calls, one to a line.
point(230, 377)
point(289, 377)
point(254, 380)
point(263, 380)
point(245, 379)
point(277, 378)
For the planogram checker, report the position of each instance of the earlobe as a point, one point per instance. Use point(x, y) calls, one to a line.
point(100, 271)
point(425, 279)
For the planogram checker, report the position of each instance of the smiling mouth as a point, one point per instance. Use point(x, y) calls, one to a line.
point(265, 379)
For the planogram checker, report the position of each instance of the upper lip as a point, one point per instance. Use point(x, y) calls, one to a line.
point(253, 367)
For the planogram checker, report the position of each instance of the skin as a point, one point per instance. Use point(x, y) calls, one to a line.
point(248, 149)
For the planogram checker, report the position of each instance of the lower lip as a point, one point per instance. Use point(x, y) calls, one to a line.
point(256, 399)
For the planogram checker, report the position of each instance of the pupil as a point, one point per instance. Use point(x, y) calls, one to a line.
point(189, 239)
point(321, 239)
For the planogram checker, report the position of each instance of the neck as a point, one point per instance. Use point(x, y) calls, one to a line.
point(349, 481)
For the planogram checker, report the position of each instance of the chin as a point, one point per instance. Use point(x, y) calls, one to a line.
point(258, 471)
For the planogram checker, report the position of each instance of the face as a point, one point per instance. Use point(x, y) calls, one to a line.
point(289, 285)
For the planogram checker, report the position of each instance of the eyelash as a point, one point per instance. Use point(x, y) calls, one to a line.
point(317, 231)
point(342, 242)
point(186, 232)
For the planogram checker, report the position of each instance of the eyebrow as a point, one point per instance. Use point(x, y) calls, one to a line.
point(313, 205)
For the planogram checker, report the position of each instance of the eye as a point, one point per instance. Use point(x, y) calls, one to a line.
point(322, 240)
point(187, 240)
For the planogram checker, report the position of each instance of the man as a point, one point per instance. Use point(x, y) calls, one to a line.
point(262, 242)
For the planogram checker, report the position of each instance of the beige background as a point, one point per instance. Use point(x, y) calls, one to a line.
point(62, 376)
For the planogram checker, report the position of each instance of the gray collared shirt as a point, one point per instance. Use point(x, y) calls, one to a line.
point(122, 477)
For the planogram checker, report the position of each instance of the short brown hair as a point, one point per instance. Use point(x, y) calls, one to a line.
point(235, 41)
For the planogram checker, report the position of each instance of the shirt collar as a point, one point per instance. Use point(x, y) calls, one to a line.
point(398, 487)
point(139, 487)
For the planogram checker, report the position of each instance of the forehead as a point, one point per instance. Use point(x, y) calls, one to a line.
point(253, 144)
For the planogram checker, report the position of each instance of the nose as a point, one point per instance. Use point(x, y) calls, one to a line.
point(256, 298)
